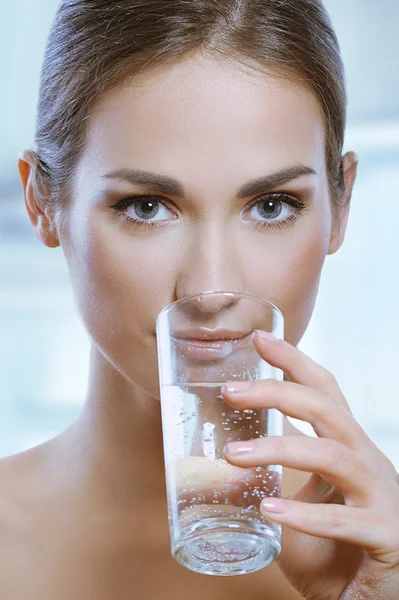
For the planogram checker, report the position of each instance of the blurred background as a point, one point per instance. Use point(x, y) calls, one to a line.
point(44, 349)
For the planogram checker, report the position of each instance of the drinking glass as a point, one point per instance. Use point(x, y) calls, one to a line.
point(216, 526)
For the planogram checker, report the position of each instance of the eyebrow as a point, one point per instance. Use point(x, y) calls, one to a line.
point(168, 185)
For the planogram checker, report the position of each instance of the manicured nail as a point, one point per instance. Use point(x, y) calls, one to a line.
point(236, 386)
point(239, 447)
point(265, 335)
point(274, 505)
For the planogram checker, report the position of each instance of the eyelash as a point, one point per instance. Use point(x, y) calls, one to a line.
point(125, 203)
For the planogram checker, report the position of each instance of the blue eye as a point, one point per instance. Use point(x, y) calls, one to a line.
point(268, 207)
point(148, 209)
point(276, 209)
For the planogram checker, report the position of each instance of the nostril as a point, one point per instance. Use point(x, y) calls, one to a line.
point(213, 302)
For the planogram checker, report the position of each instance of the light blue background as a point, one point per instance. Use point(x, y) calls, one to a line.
point(44, 350)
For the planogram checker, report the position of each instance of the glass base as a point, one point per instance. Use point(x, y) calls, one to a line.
point(227, 547)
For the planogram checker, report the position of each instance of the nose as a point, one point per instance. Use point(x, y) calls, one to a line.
point(215, 303)
point(211, 264)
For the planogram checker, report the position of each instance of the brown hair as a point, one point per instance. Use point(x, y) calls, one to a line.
point(96, 45)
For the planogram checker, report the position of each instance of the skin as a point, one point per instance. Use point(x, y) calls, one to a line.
point(214, 127)
point(340, 539)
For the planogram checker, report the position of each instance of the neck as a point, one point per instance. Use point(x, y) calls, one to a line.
point(116, 443)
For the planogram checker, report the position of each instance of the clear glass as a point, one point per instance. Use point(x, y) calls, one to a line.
point(216, 527)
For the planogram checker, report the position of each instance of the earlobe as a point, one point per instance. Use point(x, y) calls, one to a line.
point(339, 229)
point(46, 233)
point(38, 212)
point(341, 213)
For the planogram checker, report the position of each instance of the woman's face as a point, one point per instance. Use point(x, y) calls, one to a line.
point(213, 129)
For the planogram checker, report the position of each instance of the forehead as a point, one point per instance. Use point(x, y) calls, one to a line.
point(210, 114)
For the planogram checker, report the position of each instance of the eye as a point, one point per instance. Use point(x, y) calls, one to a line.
point(144, 207)
point(148, 209)
point(276, 209)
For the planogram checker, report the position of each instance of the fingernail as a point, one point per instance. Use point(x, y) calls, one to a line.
point(265, 335)
point(274, 505)
point(239, 447)
point(236, 386)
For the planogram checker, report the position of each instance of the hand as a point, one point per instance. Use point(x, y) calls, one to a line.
point(346, 547)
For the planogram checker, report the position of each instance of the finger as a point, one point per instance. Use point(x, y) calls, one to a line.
point(328, 418)
point(336, 463)
point(299, 367)
point(359, 526)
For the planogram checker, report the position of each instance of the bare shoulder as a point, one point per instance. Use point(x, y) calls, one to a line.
point(20, 468)
point(21, 483)
point(15, 473)
point(22, 497)
point(33, 535)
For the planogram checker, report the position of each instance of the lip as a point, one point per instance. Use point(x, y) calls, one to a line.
point(210, 334)
point(207, 344)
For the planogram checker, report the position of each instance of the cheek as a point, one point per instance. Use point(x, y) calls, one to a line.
point(298, 285)
point(288, 274)
point(116, 275)
point(300, 294)
point(119, 291)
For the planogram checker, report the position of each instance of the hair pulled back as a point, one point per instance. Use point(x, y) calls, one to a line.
point(94, 46)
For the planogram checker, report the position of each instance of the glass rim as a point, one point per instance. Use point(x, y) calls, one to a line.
point(248, 296)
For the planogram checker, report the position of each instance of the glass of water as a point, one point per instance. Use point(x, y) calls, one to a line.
point(216, 526)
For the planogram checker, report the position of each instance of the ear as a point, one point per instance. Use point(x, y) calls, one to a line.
point(341, 212)
point(39, 214)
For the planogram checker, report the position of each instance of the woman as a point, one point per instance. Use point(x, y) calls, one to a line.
point(183, 147)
